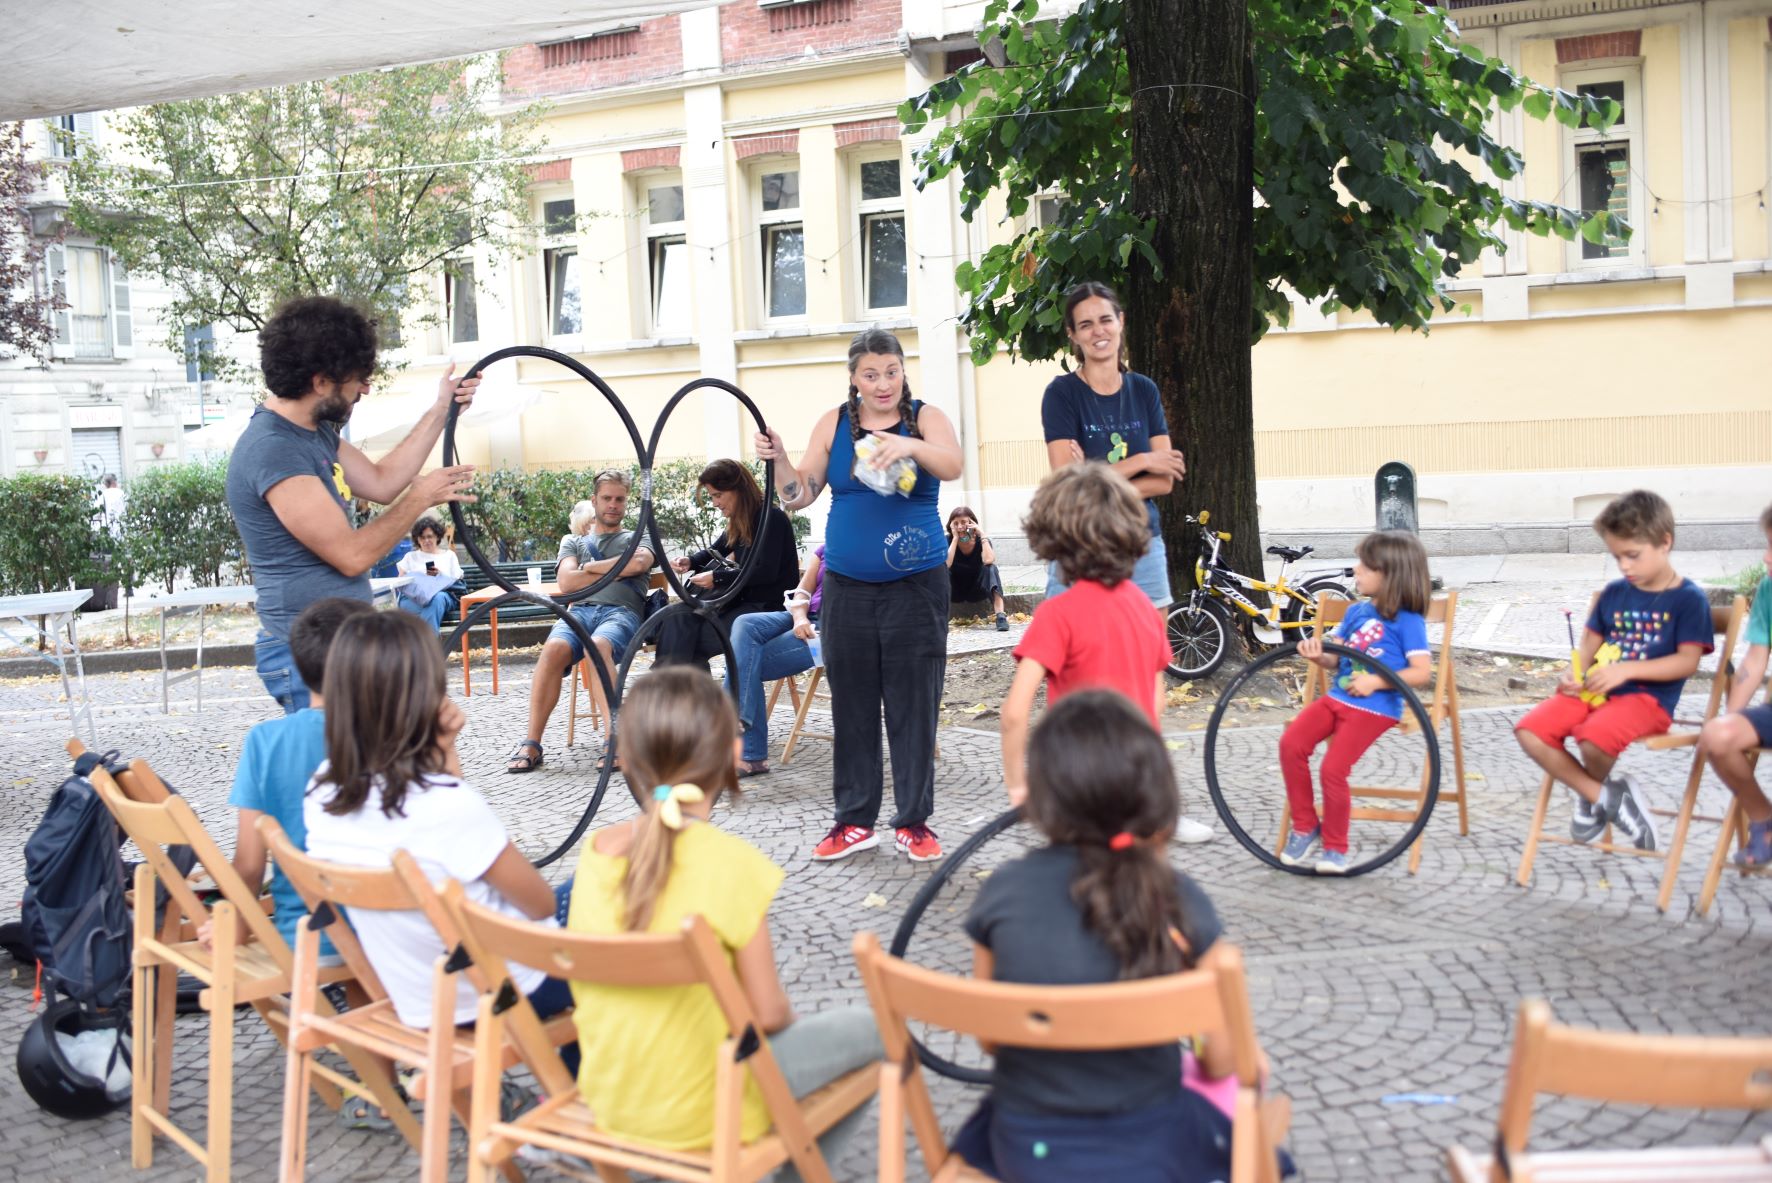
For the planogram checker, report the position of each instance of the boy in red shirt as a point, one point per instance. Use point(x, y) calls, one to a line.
point(1102, 632)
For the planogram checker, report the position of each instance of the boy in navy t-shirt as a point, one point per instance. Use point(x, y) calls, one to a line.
point(1661, 625)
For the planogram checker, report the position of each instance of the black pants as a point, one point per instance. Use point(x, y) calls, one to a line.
point(885, 643)
point(980, 585)
point(690, 640)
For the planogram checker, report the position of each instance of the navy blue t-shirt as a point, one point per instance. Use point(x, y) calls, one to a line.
point(1648, 625)
point(1108, 427)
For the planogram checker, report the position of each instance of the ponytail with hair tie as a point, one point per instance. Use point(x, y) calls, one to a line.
point(671, 799)
point(1124, 840)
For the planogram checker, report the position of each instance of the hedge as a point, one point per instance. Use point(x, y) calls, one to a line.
point(49, 533)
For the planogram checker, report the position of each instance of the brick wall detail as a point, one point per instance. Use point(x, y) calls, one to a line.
point(553, 170)
point(1594, 46)
point(636, 159)
point(654, 50)
point(750, 34)
point(785, 143)
point(866, 131)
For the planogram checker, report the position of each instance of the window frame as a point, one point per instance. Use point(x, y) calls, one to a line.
point(445, 285)
point(771, 221)
point(863, 211)
point(114, 294)
point(1628, 132)
point(654, 238)
point(550, 246)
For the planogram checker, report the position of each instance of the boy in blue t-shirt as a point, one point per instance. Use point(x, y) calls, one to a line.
point(1661, 625)
point(279, 757)
point(1729, 739)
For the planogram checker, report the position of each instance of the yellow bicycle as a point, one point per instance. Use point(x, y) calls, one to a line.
point(1200, 626)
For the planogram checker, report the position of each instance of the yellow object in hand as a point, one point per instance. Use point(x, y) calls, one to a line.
point(1606, 655)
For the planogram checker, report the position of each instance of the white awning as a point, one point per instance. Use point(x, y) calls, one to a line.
point(94, 55)
point(380, 422)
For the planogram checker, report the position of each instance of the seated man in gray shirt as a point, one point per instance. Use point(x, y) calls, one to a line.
point(291, 478)
point(611, 616)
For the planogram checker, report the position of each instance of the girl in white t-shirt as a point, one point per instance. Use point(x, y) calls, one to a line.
point(392, 781)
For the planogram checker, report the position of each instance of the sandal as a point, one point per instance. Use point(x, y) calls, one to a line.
point(1756, 852)
point(521, 761)
point(360, 1113)
point(746, 768)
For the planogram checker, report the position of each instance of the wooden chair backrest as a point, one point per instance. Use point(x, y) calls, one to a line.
point(1688, 1072)
point(155, 827)
point(370, 888)
point(1441, 609)
point(1211, 998)
point(524, 1026)
point(690, 957)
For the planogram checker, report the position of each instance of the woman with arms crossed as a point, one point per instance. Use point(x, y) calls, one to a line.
point(884, 618)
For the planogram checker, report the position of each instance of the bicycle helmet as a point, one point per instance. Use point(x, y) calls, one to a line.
point(50, 1077)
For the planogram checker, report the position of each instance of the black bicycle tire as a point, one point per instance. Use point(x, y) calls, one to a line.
point(1213, 609)
point(907, 924)
point(1260, 849)
point(1294, 610)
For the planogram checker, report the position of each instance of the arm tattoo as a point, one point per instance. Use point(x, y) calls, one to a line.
point(790, 490)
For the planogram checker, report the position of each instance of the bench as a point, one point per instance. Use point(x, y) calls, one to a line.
point(517, 573)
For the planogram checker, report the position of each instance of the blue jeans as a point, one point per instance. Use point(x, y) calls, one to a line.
point(1151, 575)
point(276, 669)
point(433, 610)
point(764, 648)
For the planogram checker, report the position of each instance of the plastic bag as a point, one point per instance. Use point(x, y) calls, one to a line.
point(94, 1053)
point(898, 477)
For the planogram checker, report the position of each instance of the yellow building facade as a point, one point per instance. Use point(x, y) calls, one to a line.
point(728, 195)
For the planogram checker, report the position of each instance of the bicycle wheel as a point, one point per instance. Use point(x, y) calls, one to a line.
point(1314, 590)
point(1199, 638)
point(1385, 817)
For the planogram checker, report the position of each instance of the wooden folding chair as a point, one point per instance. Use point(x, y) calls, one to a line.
point(562, 1122)
point(1211, 999)
point(1443, 707)
point(443, 1054)
point(804, 697)
point(1677, 1071)
point(1727, 623)
point(1731, 836)
point(255, 970)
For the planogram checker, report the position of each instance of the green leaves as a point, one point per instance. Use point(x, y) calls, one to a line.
point(1362, 104)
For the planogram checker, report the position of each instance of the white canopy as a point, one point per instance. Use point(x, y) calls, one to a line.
point(93, 55)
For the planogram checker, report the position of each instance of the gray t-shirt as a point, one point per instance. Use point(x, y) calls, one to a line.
point(629, 593)
point(287, 574)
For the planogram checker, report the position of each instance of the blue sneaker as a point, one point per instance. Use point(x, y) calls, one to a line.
point(1332, 862)
point(1298, 846)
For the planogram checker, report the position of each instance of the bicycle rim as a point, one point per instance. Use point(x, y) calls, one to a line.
point(1198, 638)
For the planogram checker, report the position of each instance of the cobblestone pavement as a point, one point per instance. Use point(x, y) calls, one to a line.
point(1363, 989)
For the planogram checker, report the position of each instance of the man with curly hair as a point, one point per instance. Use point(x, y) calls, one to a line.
point(291, 477)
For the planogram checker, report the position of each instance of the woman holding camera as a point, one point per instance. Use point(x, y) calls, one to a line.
point(972, 565)
point(735, 493)
point(434, 568)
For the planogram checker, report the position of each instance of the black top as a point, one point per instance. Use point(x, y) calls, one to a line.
point(1026, 917)
point(778, 566)
point(968, 567)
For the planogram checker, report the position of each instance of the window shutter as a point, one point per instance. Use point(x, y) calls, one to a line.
point(85, 132)
point(122, 316)
point(55, 266)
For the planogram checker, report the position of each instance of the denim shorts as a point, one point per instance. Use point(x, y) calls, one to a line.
point(1150, 574)
point(610, 622)
point(1761, 719)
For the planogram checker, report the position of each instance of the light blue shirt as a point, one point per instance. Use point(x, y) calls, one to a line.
point(276, 763)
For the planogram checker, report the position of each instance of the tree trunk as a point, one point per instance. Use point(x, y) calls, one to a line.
point(1193, 86)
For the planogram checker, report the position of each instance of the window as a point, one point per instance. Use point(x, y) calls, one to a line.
point(67, 133)
point(561, 283)
point(667, 258)
point(1604, 168)
point(97, 320)
point(783, 236)
point(884, 282)
point(461, 306)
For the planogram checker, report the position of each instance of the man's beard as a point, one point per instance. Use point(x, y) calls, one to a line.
point(335, 409)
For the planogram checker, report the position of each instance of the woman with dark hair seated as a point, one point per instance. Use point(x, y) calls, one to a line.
point(972, 565)
point(749, 525)
point(435, 571)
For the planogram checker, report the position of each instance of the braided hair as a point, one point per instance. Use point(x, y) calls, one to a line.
point(881, 342)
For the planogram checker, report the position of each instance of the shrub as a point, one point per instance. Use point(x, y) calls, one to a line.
point(177, 522)
point(49, 534)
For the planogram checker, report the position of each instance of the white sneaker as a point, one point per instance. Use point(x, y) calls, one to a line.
point(1189, 832)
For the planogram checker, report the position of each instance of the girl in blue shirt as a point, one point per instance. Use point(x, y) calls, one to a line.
point(1390, 571)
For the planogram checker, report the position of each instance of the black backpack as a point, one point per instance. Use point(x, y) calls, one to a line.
point(76, 923)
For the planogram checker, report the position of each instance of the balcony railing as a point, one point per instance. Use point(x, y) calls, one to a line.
point(92, 336)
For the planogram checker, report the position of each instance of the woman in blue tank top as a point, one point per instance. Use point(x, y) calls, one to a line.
point(883, 623)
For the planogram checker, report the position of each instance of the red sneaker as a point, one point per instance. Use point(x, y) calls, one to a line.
point(919, 843)
point(844, 841)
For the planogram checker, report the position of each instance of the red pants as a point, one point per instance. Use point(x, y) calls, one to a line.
point(1350, 731)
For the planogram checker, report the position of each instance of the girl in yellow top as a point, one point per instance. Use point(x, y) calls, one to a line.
point(649, 1051)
